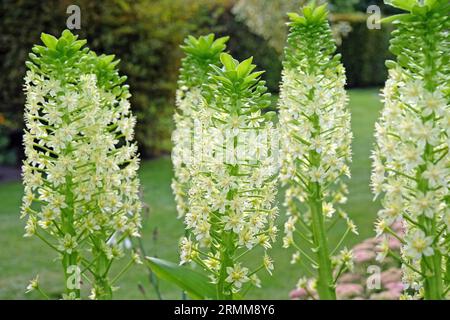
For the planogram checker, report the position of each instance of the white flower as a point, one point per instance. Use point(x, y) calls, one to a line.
point(68, 244)
point(424, 203)
point(433, 102)
point(437, 175)
point(237, 275)
point(383, 249)
point(392, 210)
point(412, 92)
point(380, 227)
point(255, 281)
point(187, 251)
point(418, 244)
point(233, 222)
point(136, 258)
point(33, 285)
point(268, 264)
point(93, 295)
point(80, 171)
point(295, 257)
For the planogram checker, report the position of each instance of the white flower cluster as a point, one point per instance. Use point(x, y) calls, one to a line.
point(232, 190)
point(200, 54)
point(411, 166)
point(187, 101)
point(411, 163)
point(75, 166)
point(316, 144)
point(80, 173)
point(316, 135)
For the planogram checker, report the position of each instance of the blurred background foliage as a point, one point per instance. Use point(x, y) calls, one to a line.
point(146, 34)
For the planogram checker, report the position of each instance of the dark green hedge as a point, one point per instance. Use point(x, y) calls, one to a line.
point(364, 53)
point(146, 36)
point(244, 44)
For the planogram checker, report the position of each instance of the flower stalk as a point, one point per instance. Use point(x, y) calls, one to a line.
point(80, 172)
point(316, 139)
point(201, 53)
point(410, 160)
point(232, 178)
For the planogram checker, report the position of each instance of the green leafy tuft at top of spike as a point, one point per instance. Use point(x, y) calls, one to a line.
point(200, 52)
point(238, 77)
point(65, 58)
point(312, 14)
point(205, 47)
point(416, 8)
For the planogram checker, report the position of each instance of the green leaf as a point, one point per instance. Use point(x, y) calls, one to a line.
point(219, 44)
point(308, 11)
point(228, 61)
point(420, 10)
point(402, 4)
point(245, 67)
point(108, 58)
point(320, 13)
point(62, 44)
point(390, 64)
point(196, 284)
point(49, 40)
point(68, 35)
point(222, 79)
point(296, 18)
point(395, 17)
point(253, 77)
point(78, 44)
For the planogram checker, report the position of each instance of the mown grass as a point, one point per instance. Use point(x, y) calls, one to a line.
point(22, 258)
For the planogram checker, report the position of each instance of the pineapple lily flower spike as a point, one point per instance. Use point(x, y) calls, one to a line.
point(80, 172)
point(232, 187)
point(316, 147)
point(411, 162)
point(201, 53)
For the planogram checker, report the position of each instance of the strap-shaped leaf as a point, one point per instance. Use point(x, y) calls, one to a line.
point(228, 62)
point(395, 17)
point(49, 40)
point(195, 284)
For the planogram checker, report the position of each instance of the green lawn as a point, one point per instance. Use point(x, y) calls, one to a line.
point(22, 258)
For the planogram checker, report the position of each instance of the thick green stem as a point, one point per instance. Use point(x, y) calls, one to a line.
point(226, 258)
point(70, 260)
point(102, 284)
point(325, 281)
point(71, 275)
point(228, 247)
point(325, 285)
point(431, 266)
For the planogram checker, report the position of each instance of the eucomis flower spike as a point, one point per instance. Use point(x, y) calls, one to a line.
point(80, 172)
